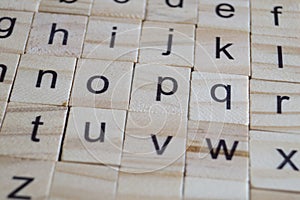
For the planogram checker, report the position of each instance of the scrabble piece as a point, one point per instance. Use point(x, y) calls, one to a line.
point(57, 35)
point(94, 136)
point(231, 15)
point(102, 84)
point(22, 5)
point(43, 80)
point(222, 51)
point(75, 7)
point(274, 106)
point(32, 131)
point(160, 89)
point(114, 39)
point(219, 98)
point(272, 194)
point(81, 181)
point(217, 155)
point(8, 67)
point(275, 58)
point(275, 18)
point(167, 43)
point(275, 161)
point(25, 179)
point(172, 11)
point(161, 184)
point(120, 8)
point(14, 30)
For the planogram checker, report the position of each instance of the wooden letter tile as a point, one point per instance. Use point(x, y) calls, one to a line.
point(14, 27)
point(275, 160)
point(77, 7)
point(59, 35)
point(94, 136)
point(275, 58)
point(81, 181)
point(102, 84)
point(222, 51)
point(25, 179)
point(160, 89)
point(167, 43)
point(44, 80)
point(32, 131)
point(273, 194)
point(219, 98)
point(216, 157)
point(120, 8)
point(22, 5)
point(184, 11)
point(275, 106)
point(112, 39)
point(232, 14)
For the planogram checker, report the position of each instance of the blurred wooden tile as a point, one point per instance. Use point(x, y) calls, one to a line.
point(81, 7)
point(161, 184)
point(58, 35)
point(37, 133)
point(160, 89)
point(219, 98)
point(273, 194)
point(232, 14)
point(275, 106)
point(112, 39)
point(222, 51)
point(167, 43)
point(43, 80)
point(22, 5)
point(172, 11)
point(120, 8)
point(8, 67)
point(275, 58)
point(15, 28)
point(94, 136)
point(205, 188)
point(275, 160)
point(25, 179)
point(102, 84)
point(275, 17)
point(80, 181)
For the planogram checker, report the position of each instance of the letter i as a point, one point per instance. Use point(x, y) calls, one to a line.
point(113, 37)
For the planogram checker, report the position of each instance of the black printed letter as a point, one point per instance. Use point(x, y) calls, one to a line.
point(10, 29)
point(54, 31)
point(223, 49)
point(161, 150)
point(87, 131)
point(42, 73)
point(36, 124)
point(276, 12)
point(13, 194)
point(3, 72)
point(161, 91)
point(90, 81)
point(279, 103)
point(226, 8)
point(227, 98)
point(221, 144)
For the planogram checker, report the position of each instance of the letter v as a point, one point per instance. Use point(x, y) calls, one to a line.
point(161, 150)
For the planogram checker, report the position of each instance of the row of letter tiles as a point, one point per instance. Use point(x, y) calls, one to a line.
point(217, 50)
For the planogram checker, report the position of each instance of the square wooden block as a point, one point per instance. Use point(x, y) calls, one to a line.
point(8, 68)
point(275, 18)
point(28, 5)
point(172, 11)
point(275, 58)
point(231, 15)
point(274, 106)
point(120, 8)
point(112, 39)
point(15, 28)
point(43, 80)
point(273, 194)
point(222, 51)
point(217, 151)
point(219, 98)
point(102, 84)
point(79, 181)
point(37, 133)
point(160, 89)
point(167, 43)
point(77, 7)
point(275, 160)
point(161, 184)
point(25, 179)
point(94, 136)
point(57, 35)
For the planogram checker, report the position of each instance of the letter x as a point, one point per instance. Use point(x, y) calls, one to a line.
point(287, 159)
